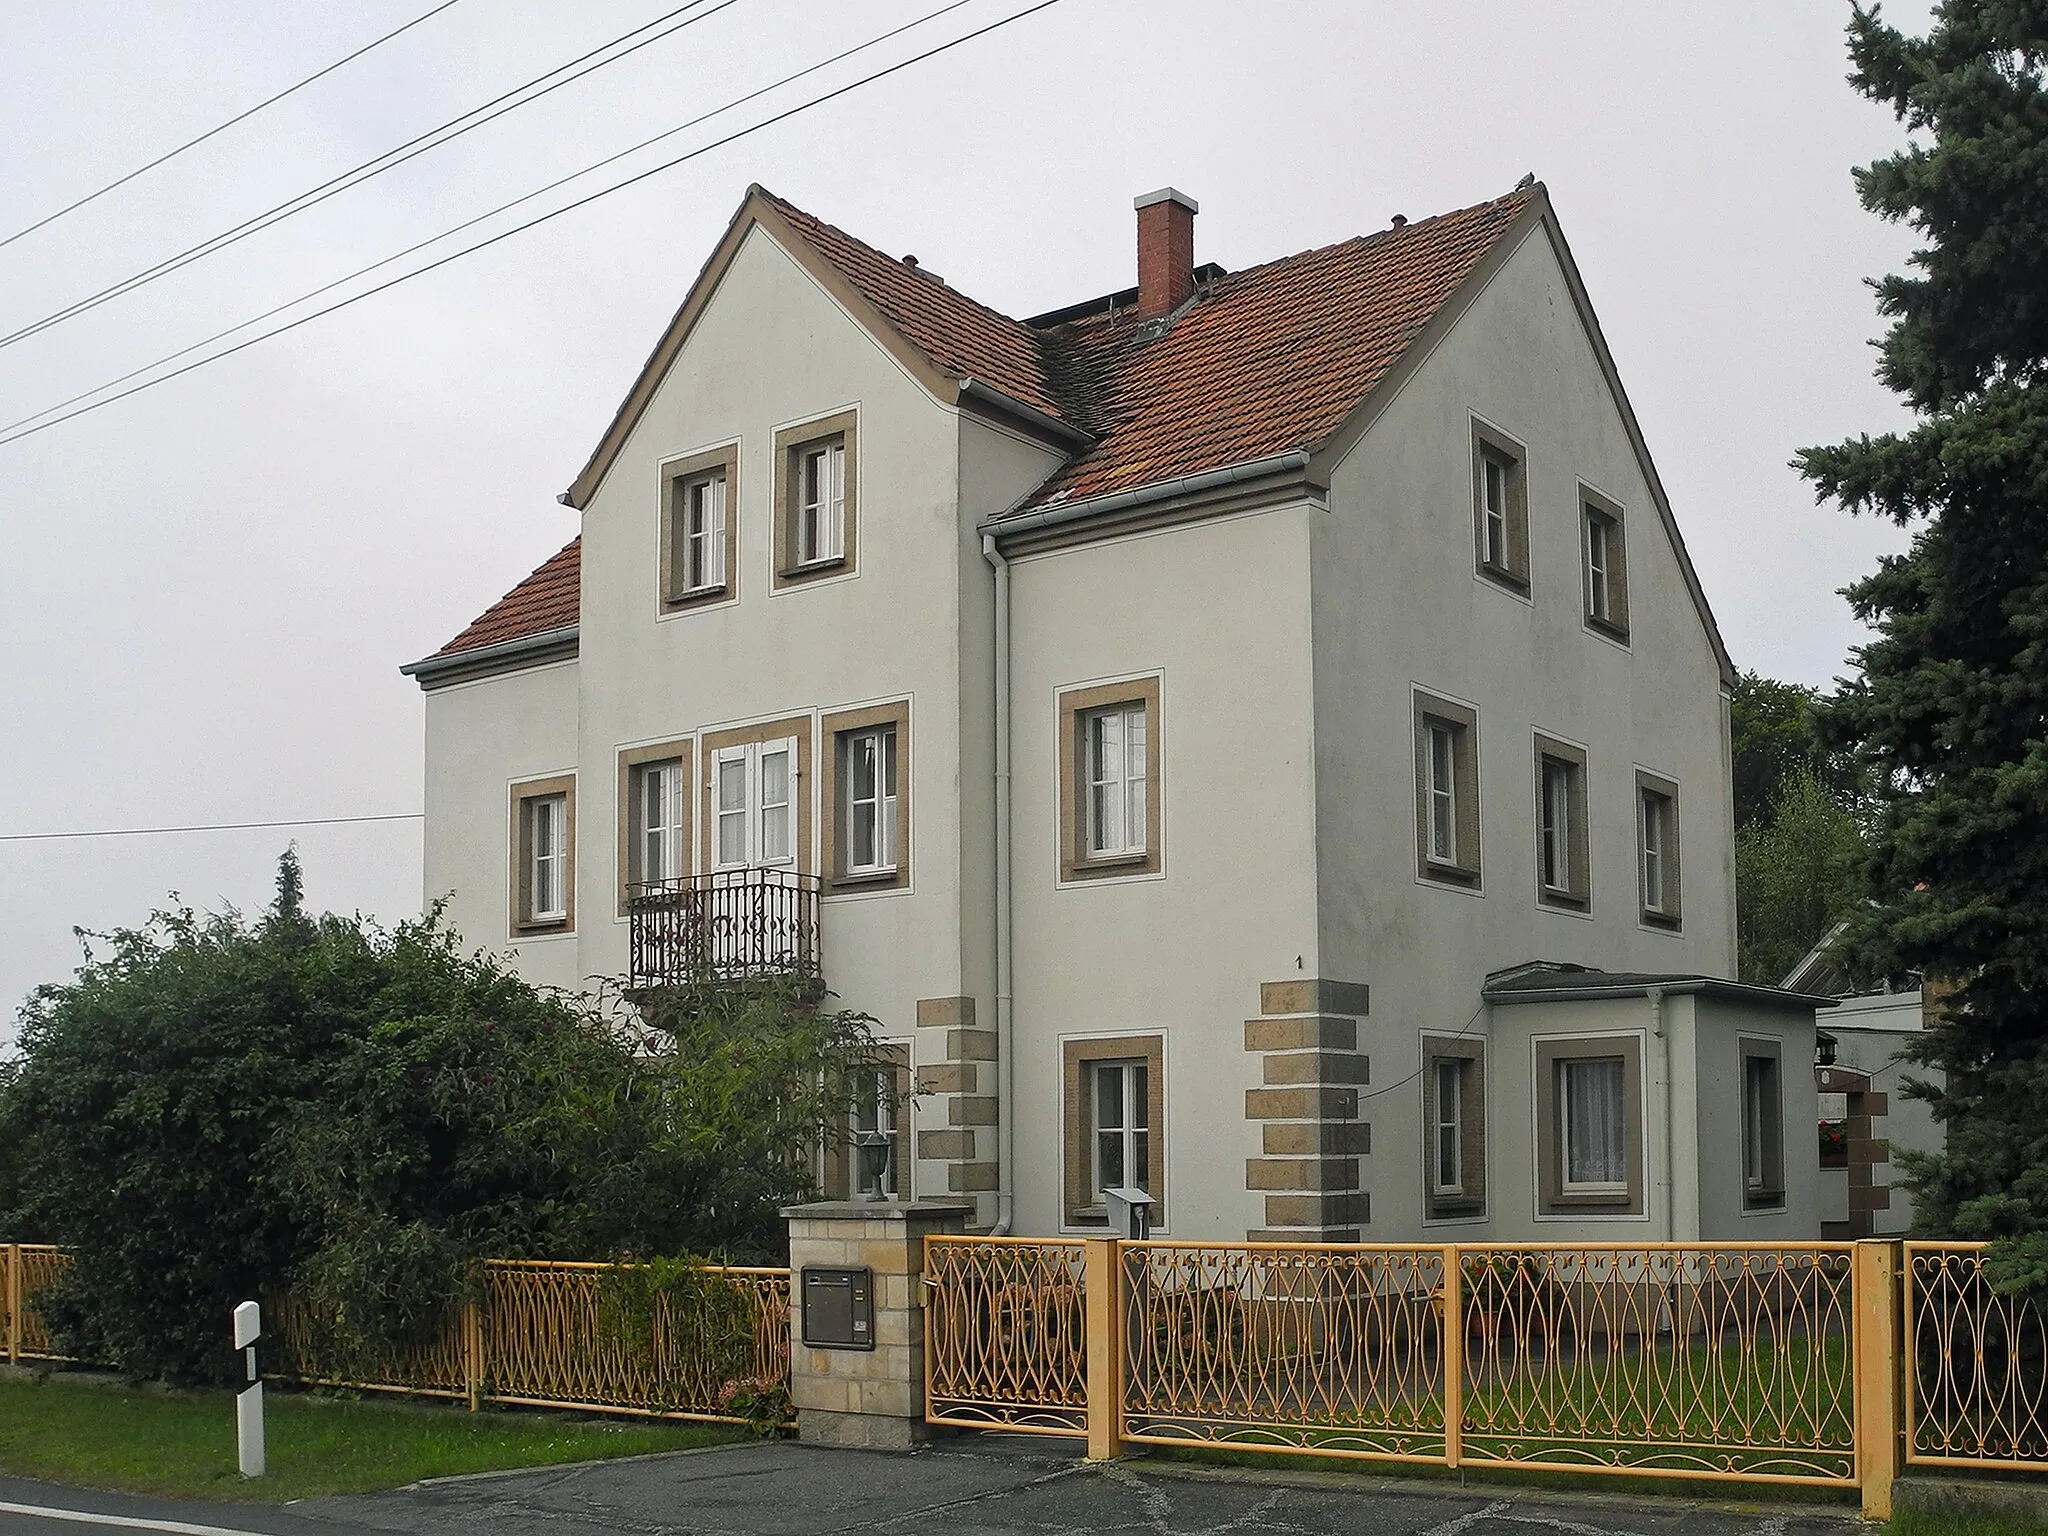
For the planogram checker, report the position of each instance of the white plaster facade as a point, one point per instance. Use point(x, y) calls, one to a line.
point(1287, 631)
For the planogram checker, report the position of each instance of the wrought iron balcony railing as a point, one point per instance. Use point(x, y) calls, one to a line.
point(733, 924)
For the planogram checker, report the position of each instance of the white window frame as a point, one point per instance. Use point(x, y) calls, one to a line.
point(1133, 1095)
point(657, 825)
point(1494, 472)
point(1554, 826)
point(703, 516)
point(547, 870)
point(1450, 1128)
point(871, 745)
point(1599, 564)
point(1121, 783)
point(1565, 1183)
point(1442, 819)
point(821, 502)
point(1655, 810)
point(756, 815)
point(875, 1110)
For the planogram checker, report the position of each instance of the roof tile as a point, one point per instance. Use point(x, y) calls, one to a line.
point(548, 599)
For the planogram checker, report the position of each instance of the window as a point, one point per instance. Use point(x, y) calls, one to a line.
point(756, 814)
point(816, 523)
point(1446, 791)
point(1114, 1104)
point(1113, 756)
point(1563, 873)
point(1605, 563)
point(867, 801)
point(1763, 1126)
point(654, 815)
point(1450, 1124)
point(1657, 849)
point(543, 855)
point(881, 1100)
point(1500, 507)
point(1593, 1125)
point(1589, 1125)
point(699, 548)
point(1454, 1127)
point(1109, 780)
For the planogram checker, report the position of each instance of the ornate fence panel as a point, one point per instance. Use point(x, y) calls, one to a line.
point(1701, 1360)
point(734, 923)
point(1976, 1368)
point(26, 1268)
point(1006, 1334)
point(1333, 1351)
point(548, 1340)
point(552, 1335)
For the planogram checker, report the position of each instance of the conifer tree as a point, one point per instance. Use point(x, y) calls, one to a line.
point(1950, 713)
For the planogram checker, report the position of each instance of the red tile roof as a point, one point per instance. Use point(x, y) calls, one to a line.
point(1265, 361)
point(548, 599)
point(963, 338)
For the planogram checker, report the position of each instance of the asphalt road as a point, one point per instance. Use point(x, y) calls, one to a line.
point(968, 1487)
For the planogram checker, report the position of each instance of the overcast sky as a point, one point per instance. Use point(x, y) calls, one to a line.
point(207, 589)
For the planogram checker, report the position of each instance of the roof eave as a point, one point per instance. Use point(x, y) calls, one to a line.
point(504, 655)
point(1707, 986)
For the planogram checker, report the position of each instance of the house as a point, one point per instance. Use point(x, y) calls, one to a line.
point(1865, 1114)
point(1255, 736)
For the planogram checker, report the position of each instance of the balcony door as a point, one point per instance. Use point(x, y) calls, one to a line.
point(753, 800)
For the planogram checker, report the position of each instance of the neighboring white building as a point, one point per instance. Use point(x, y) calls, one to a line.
point(1180, 720)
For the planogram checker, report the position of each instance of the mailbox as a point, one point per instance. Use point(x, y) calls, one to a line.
point(839, 1308)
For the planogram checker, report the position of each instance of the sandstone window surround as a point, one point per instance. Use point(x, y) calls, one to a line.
point(543, 839)
point(817, 499)
point(867, 798)
point(1763, 1124)
point(1110, 746)
point(1454, 1127)
point(1659, 869)
point(700, 501)
point(1603, 564)
point(1564, 874)
point(654, 813)
point(1113, 1123)
point(1446, 791)
point(1500, 508)
point(1589, 1125)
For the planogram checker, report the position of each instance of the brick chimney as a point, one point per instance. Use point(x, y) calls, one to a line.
point(1166, 250)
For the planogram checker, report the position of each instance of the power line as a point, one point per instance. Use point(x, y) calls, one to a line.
point(12, 436)
point(268, 101)
point(432, 139)
point(218, 826)
point(525, 197)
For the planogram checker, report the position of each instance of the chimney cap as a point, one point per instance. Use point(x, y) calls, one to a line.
point(1166, 195)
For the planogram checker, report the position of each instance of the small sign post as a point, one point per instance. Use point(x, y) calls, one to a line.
point(249, 1401)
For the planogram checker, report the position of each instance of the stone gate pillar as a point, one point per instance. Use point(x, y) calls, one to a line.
point(859, 1264)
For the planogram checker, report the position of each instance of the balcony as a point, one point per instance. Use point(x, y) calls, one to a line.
point(732, 925)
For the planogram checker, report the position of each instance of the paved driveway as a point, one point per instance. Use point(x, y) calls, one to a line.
point(968, 1487)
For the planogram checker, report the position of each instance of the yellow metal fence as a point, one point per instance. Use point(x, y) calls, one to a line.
point(547, 1335)
point(1976, 1365)
point(26, 1268)
point(1751, 1362)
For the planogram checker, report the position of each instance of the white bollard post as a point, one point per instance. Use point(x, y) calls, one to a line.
point(249, 1401)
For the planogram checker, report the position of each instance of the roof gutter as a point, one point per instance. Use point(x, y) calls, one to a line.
point(1164, 490)
point(1709, 985)
point(1066, 432)
point(430, 667)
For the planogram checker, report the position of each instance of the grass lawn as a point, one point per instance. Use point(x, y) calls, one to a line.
point(91, 1433)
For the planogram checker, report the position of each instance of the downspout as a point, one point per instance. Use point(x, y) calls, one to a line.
point(1665, 1172)
point(1006, 1056)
